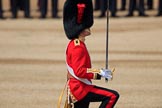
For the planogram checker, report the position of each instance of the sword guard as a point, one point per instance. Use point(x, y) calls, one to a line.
point(112, 74)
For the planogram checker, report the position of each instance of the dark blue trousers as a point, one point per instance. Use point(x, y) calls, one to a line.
point(150, 4)
point(20, 5)
point(1, 11)
point(107, 97)
point(112, 6)
point(160, 7)
point(123, 4)
point(136, 4)
point(44, 7)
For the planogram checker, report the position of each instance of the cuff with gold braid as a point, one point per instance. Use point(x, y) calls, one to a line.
point(95, 72)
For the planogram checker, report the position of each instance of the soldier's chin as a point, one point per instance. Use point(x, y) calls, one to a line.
point(87, 33)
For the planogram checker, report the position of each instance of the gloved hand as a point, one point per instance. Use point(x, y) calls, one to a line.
point(106, 73)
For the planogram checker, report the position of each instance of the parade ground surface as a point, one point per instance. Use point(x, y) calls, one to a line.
point(33, 69)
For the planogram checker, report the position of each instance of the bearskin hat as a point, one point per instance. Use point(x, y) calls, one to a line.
point(77, 16)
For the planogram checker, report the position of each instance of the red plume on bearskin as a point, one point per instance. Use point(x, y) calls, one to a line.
point(81, 8)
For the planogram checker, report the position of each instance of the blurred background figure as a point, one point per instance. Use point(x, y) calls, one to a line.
point(136, 4)
point(123, 5)
point(1, 10)
point(159, 8)
point(38, 5)
point(23, 5)
point(44, 8)
point(112, 8)
point(149, 4)
point(97, 5)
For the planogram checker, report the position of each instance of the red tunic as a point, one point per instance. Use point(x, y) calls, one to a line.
point(77, 57)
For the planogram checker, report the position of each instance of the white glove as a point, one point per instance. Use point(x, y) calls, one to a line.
point(106, 73)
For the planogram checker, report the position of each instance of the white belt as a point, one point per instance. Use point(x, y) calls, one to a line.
point(71, 71)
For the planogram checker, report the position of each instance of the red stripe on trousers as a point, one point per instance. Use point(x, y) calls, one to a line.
point(111, 95)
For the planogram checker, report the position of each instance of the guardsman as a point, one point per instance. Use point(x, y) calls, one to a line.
point(97, 5)
point(112, 8)
point(123, 5)
point(38, 5)
point(136, 4)
point(23, 5)
point(159, 9)
point(44, 8)
point(149, 4)
point(14, 8)
point(26, 4)
point(1, 10)
point(77, 20)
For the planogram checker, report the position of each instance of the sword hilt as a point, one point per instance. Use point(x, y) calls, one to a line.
point(112, 73)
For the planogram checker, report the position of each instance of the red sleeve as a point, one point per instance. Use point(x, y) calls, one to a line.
point(79, 63)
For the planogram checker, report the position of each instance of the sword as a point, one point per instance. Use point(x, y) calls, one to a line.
point(107, 38)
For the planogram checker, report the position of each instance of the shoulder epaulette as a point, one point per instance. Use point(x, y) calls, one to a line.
point(76, 42)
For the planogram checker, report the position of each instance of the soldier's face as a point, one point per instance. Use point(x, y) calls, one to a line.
point(84, 33)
